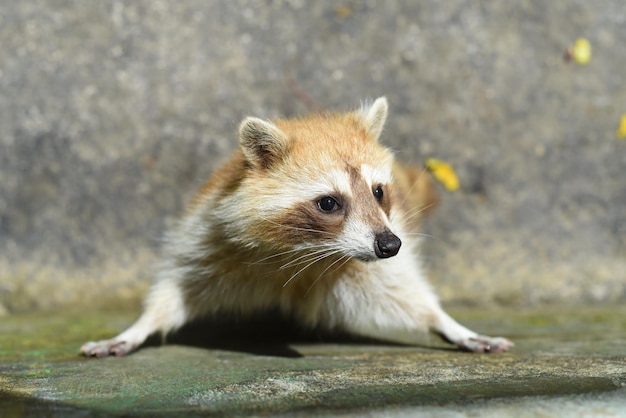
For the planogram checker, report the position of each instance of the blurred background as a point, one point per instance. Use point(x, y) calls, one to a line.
point(113, 113)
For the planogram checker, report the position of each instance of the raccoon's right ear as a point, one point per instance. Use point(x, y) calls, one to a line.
point(263, 143)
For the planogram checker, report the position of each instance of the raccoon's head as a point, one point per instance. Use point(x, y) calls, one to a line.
point(321, 183)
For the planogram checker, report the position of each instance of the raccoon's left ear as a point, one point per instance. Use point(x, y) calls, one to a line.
point(374, 117)
point(262, 142)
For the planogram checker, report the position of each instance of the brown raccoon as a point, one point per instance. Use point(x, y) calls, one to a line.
point(313, 217)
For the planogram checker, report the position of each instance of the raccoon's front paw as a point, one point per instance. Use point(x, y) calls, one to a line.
point(484, 344)
point(107, 348)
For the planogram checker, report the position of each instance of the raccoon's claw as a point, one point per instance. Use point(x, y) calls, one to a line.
point(484, 344)
point(107, 348)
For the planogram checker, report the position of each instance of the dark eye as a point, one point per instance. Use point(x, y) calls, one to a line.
point(328, 204)
point(378, 193)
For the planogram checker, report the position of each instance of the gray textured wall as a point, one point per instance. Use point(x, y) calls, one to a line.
point(112, 113)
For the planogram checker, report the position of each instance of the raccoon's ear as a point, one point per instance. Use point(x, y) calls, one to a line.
point(374, 117)
point(263, 143)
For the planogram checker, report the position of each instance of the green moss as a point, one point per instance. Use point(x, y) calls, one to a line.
point(54, 336)
point(558, 351)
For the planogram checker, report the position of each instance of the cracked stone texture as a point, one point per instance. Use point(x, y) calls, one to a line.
point(112, 113)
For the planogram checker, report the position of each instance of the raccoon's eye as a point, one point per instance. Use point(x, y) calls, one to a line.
point(378, 193)
point(328, 204)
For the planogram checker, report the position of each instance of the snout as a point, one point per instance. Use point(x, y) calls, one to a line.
point(386, 244)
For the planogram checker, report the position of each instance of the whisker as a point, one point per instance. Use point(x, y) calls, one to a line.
point(408, 193)
point(284, 253)
point(315, 260)
point(344, 257)
point(347, 259)
point(416, 211)
point(296, 262)
point(317, 231)
point(423, 235)
point(291, 251)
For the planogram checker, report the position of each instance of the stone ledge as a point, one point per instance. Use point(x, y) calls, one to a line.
point(565, 358)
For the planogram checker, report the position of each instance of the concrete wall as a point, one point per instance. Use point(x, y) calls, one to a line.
point(113, 112)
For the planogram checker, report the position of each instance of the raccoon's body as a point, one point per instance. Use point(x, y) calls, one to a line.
point(315, 218)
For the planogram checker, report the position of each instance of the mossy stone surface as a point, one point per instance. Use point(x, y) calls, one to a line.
point(563, 355)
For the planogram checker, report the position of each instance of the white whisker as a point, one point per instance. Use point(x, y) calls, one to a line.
point(408, 193)
point(317, 231)
point(315, 260)
point(304, 258)
point(344, 257)
point(423, 235)
point(282, 253)
point(409, 215)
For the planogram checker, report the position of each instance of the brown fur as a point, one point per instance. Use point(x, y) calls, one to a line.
point(416, 190)
point(257, 238)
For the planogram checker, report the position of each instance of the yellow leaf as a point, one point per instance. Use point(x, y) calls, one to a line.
point(581, 52)
point(621, 131)
point(444, 173)
point(343, 11)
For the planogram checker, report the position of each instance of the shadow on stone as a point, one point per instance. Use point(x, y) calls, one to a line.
point(270, 334)
point(30, 407)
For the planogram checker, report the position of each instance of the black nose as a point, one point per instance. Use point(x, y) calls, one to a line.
point(386, 244)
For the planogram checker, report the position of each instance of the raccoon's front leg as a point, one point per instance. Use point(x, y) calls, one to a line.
point(164, 311)
point(464, 338)
point(126, 342)
point(399, 309)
